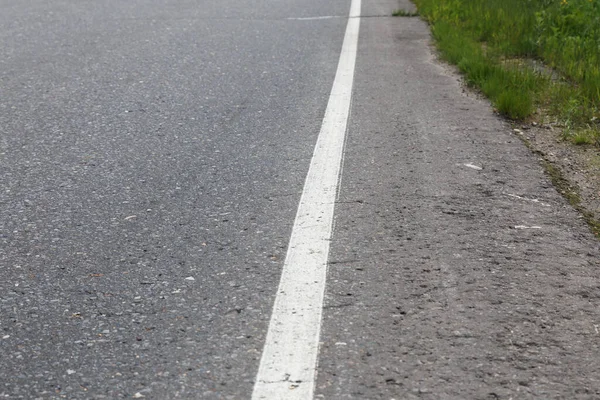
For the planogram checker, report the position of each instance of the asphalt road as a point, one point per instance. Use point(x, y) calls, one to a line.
point(152, 159)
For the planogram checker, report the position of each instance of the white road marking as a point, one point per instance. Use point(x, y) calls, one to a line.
point(527, 227)
point(289, 360)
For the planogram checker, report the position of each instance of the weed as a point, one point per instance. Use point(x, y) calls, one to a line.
point(582, 136)
point(514, 103)
point(403, 13)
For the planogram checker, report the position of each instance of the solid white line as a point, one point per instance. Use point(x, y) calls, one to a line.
point(289, 360)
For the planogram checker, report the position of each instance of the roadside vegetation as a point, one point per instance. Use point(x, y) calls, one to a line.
point(403, 13)
point(535, 59)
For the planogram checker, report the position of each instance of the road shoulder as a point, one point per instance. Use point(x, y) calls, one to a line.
point(456, 270)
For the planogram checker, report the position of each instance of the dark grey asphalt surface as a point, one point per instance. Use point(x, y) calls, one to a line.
point(152, 158)
point(143, 143)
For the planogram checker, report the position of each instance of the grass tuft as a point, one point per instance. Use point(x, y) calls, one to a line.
point(583, 137)
point(403, 13)
point(514, 104)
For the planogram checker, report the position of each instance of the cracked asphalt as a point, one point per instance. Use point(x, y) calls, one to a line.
point(152, 157)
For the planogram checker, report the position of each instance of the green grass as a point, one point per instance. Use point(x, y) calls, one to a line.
point(494, 43)
point(404, 13)
point(582, 137)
